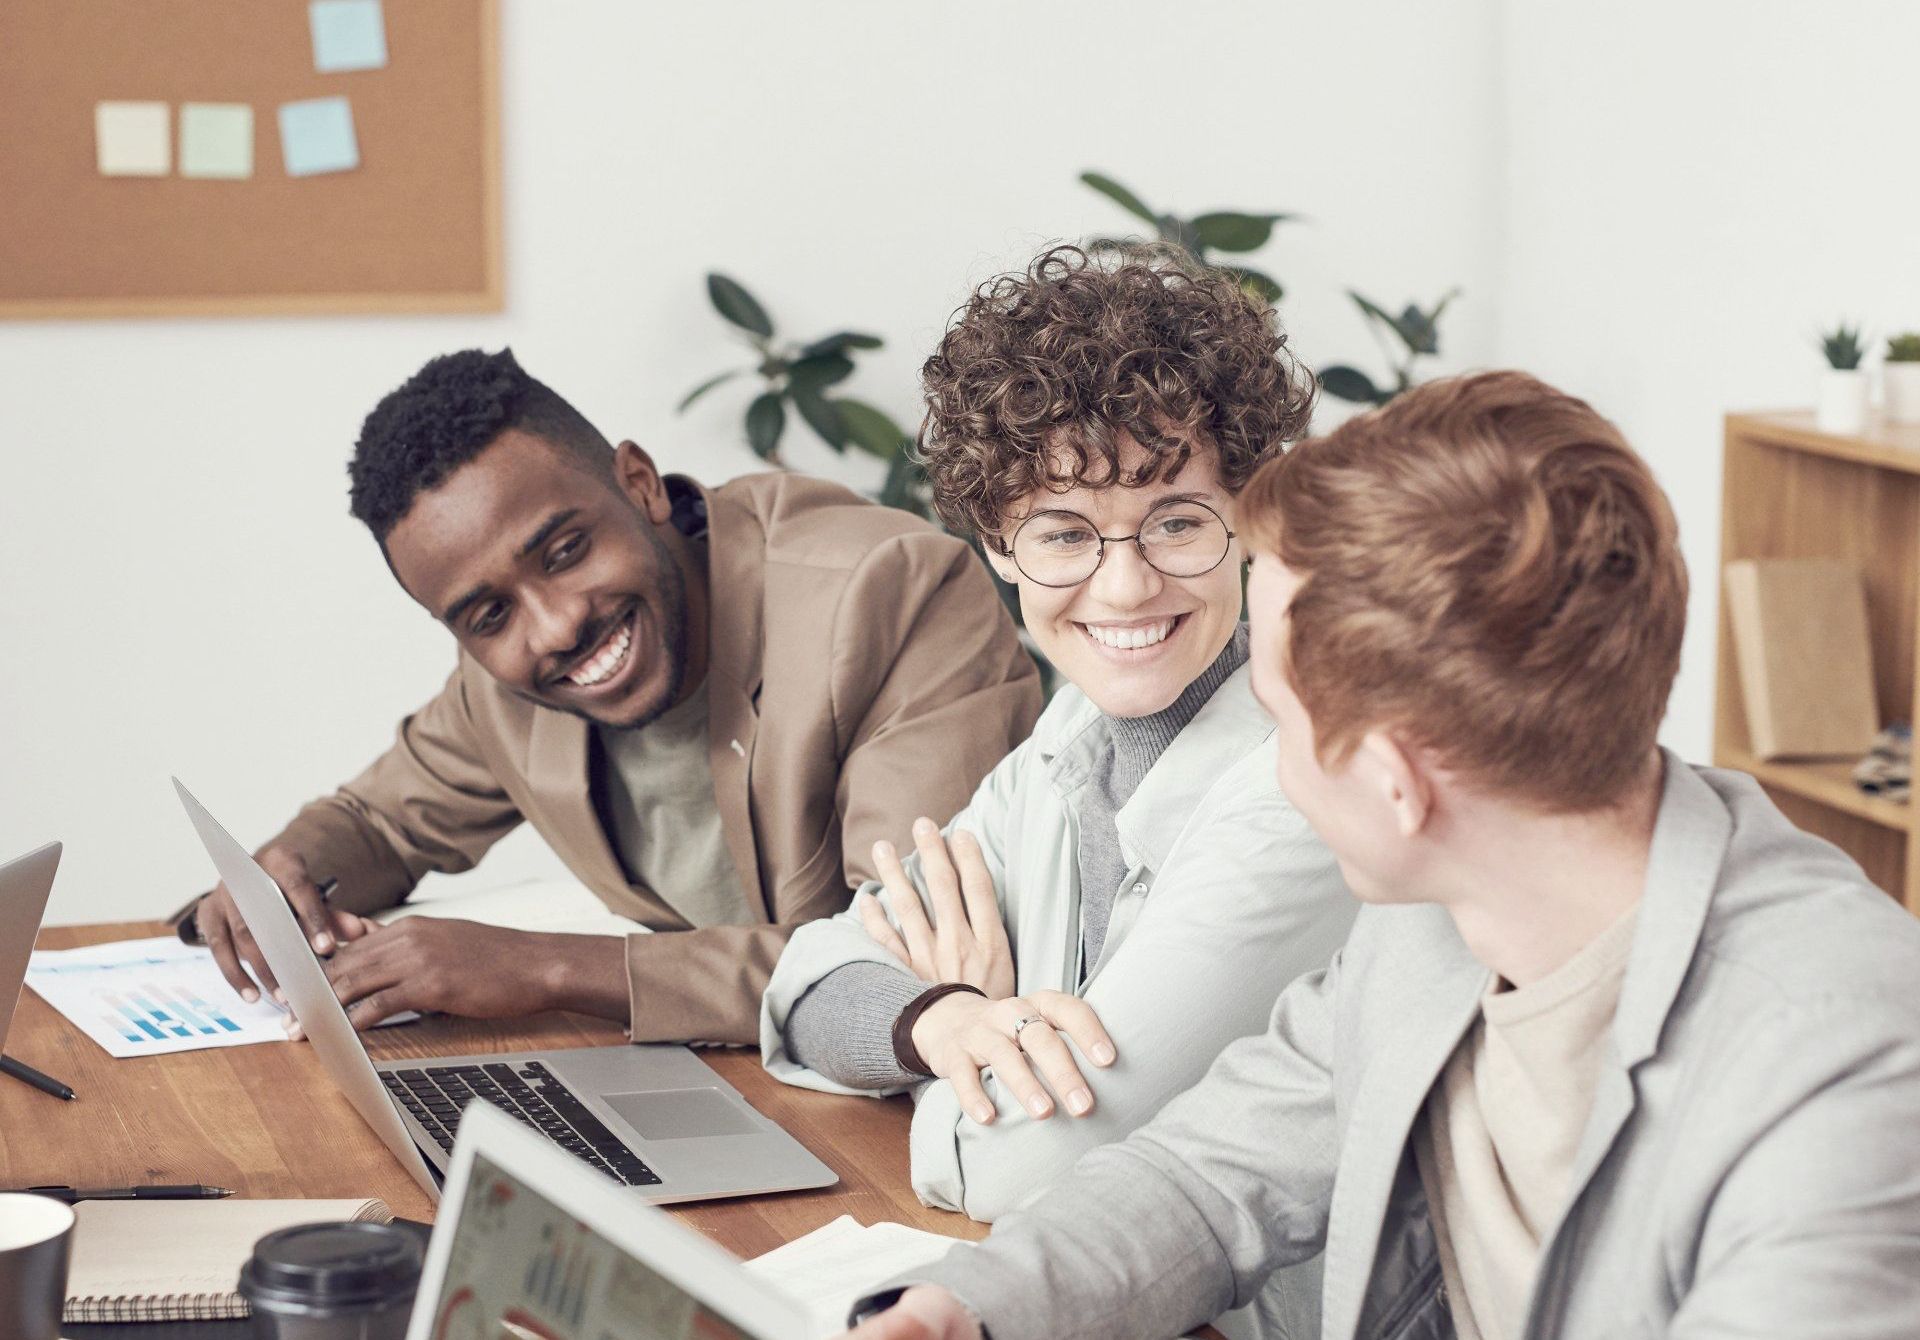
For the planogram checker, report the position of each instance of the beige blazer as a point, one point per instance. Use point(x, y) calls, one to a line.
point(862, 672)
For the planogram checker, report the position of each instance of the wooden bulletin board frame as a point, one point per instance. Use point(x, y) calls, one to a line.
point(416, 228)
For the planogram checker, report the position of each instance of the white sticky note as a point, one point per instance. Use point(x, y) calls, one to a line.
point(347, 35)
point(133, 139)
point(216, 139)
point(317, 136)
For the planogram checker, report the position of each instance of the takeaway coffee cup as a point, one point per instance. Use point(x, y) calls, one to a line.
point(332, 1282)
point(36, 1234)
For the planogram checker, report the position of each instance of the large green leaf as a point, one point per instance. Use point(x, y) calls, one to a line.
point(870, 429)
point(1262, 286)
point(821, 416)
point(1350, 384)
point(1229, 231)
point(703, 388)
point(1120, 196)
point(819, 371)
point(766, 420)
point(738, 306)
point(839, 342)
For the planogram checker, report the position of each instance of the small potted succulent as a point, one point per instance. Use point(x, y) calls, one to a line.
point(1843, 387)
point(1901, 378)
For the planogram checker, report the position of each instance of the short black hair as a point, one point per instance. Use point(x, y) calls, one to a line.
point(446, 414)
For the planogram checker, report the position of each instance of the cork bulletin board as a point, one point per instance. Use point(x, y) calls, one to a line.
point(412, 226)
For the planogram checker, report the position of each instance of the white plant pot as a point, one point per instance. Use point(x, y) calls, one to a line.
point(1900, 383)
point(1843, 401)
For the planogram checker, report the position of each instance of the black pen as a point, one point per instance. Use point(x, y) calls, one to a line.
point(20, 1070)
point(71, 1194)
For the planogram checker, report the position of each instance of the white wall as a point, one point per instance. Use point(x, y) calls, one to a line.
point(181, 589)
point(1692, 189)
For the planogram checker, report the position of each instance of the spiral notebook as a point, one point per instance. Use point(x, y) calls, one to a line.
point(179, 1260)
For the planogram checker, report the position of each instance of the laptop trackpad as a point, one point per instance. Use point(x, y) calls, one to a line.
point(680, 1114)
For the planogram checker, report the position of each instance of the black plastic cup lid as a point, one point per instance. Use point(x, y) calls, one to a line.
point(332, 1266)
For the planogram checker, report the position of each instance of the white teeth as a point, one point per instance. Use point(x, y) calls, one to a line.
point(604, 662)
point(1129, 639)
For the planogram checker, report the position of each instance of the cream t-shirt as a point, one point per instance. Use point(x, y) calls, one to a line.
point(655, 797)
point(1503, 1125)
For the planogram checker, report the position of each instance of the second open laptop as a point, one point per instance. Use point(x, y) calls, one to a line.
point(530, 1244)
point(654, 1118)
point(24, 886)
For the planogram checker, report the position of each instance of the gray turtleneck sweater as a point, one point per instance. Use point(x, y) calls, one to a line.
point(843, 1027)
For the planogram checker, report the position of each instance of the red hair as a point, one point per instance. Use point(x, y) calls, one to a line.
point(1488, 570)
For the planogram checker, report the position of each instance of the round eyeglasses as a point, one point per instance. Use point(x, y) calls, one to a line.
point(1179, 537)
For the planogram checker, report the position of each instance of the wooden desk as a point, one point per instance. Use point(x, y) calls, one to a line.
point(268, 1122)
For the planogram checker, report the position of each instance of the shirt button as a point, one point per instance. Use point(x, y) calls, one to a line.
point(1140, 888)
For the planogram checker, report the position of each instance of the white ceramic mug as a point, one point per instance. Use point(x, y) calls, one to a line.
point(36, 1235)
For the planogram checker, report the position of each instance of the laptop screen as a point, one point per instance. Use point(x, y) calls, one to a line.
point(522, 1268)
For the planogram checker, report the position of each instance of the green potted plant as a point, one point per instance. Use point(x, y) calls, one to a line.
point(1417, 331)
point(803, 377)
point(1843, 386)
point(1230, 231)
point(1901, 378)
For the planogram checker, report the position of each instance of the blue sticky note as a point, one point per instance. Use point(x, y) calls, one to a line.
point(317, 136)
point(347, 35)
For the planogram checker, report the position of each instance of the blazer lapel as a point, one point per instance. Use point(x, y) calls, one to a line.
point(558, 755)
point(1689, 846)
point(1436, 1008)
point(736, 587)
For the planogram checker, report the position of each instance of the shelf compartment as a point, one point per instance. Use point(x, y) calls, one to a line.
point(1828, 783)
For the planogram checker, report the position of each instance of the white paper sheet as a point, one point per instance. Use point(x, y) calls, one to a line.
point(831, 1268)
point(559, 906)
point(148, 997)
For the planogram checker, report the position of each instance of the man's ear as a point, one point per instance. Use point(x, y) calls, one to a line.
point(638, 478)
point(1404, 786)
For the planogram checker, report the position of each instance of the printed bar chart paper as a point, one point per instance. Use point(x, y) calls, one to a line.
point(146, 997)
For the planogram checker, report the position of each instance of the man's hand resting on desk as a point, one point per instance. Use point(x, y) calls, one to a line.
point(468, 968)
point(923, 1313)
point(219, 923)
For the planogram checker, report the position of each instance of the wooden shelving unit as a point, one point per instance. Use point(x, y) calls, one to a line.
point(1791, 491)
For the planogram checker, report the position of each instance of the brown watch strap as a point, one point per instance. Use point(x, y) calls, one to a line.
point(904, 1051)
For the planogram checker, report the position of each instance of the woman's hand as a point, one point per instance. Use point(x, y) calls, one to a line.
point(970, 942)
point(961, 1034)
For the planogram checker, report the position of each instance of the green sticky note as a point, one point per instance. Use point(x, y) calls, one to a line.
point(216, 140)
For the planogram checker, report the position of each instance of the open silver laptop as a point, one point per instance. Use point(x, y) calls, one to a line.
point(654, 1118)
point(530, 1244)
point(24, 886)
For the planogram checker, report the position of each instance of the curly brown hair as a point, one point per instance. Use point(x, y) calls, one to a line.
point(1040, 370)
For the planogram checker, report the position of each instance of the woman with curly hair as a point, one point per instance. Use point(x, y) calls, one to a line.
point(1128, 891)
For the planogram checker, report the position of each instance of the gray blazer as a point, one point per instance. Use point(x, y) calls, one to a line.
point(1751, 1166)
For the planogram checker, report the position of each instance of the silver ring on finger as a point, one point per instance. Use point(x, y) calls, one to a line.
point(1023, 1021)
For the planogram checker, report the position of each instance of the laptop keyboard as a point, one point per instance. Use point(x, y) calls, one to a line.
point(529, 1093)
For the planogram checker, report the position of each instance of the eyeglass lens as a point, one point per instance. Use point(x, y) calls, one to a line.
point(1181, 538)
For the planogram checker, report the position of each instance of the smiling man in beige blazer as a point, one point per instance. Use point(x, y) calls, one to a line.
point(710, 702)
